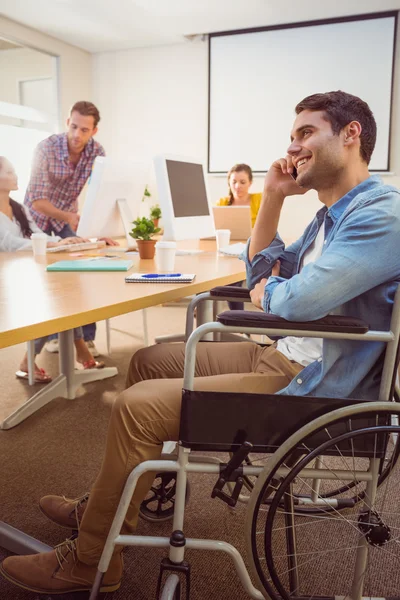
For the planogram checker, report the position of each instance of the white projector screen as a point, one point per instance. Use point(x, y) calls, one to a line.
point(258, 77)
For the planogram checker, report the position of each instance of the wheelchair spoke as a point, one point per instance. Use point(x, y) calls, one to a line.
point(342, 516)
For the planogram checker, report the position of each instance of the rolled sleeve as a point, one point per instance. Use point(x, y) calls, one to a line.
point(262, 263)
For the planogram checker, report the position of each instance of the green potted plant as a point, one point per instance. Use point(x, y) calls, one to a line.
point(143, 230)
point(155, 214)
point(146, 193)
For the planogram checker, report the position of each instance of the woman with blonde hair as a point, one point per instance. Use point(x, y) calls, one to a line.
point(240, 178)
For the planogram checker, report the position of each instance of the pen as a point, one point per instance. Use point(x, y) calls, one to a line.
point(156, 275)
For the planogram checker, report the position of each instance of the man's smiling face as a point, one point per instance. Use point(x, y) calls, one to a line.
point(316, 152)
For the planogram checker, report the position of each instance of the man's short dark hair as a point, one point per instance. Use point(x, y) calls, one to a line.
point(86, 109)
point(340, 109)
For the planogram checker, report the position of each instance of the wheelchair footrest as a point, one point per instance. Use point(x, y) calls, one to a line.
point(232, 472)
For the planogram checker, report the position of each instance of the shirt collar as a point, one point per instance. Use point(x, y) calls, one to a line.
point(63, 148)
point(337, 209)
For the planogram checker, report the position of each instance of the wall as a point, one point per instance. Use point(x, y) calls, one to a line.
point(74, 64)
point(155, 100)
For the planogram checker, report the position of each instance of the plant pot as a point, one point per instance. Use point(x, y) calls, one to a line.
point(146, 248)
point(155, 221)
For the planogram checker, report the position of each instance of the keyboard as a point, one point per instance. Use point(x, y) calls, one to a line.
point(77, 247)
point(183, 252)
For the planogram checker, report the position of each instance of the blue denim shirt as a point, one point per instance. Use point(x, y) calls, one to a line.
point(356, 275)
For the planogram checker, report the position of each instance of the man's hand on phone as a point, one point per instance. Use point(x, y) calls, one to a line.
point(280, 178)
point(257, 293)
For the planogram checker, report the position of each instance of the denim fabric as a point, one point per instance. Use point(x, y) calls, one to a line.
point(65, 232)
point(40, 342)
point(356, 275)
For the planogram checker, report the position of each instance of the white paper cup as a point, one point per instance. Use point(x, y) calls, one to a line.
point(165, 256)
point(39, 244)
point(223, 237)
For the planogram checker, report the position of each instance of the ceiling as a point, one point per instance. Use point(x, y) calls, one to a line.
point(101, 25)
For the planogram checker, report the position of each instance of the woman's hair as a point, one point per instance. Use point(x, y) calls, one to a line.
point(236, 169)
point(18, 210)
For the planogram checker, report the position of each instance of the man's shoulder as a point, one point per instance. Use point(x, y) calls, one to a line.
point(97, 149)
point(52, 142)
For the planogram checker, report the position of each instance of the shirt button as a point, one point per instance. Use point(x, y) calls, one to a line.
point(325, 242)
point(320, 359)
point(299, 380)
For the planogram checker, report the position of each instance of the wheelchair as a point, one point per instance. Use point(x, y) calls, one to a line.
point(322, 515)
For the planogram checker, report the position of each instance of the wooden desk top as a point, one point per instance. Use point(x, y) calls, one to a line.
point(35, 303)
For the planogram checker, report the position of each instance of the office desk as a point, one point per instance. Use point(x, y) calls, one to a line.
point(35, 303)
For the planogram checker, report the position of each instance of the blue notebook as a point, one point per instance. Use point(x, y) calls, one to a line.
point(91, 264)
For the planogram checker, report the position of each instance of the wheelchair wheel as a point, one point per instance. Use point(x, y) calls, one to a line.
point(389, 461)
point(172, 589)
point(351, 552)
point(159, 503)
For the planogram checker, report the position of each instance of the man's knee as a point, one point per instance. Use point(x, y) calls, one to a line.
point(132, 404)
point(137, 371)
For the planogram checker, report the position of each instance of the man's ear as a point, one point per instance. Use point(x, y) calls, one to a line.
point(352, 132)
point(94, 131)
point(68, 121)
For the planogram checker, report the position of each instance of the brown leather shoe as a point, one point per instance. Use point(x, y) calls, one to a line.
point(59, 571)
point(64, 511)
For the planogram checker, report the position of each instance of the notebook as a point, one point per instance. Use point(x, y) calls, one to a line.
point(160, 278)
point(91, 264)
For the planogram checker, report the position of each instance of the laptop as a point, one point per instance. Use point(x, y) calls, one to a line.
point(235, 218)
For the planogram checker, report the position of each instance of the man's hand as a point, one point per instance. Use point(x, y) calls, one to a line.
point(73, 240)
point(257, 293)
point(279, 180)
point(108, 241)
point(73, 220)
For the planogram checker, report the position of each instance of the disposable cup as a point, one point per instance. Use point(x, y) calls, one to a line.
point(223, 237)
point(165, 255)
point(39, 244)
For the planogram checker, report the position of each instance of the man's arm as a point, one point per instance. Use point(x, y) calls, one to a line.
point(362, 255)
point(278, 184)
point(42, 205)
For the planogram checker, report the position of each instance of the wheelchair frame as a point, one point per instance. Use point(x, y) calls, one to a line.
point(186, 463)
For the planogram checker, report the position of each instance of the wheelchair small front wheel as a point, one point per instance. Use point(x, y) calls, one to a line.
point(172, 589)
point(159, 504)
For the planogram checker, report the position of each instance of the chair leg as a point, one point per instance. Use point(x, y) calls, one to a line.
point(108, 336)
point(31, 361)
point(145, 328)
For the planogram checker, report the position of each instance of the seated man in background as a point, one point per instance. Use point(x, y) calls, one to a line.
point(62, 164)
point(346, 262)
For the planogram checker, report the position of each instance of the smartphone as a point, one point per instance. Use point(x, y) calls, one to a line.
point(294, 174)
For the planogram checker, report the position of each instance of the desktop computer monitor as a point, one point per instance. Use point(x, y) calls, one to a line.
point(113, 197)
point(182, 195)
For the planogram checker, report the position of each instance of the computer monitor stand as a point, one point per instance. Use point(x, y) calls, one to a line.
point(127, 220)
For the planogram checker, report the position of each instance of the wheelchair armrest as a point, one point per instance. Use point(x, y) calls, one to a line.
point(331, 323)
point(230, 291)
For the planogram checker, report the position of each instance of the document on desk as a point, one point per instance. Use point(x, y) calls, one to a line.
point(160, 278)
point(91, 264)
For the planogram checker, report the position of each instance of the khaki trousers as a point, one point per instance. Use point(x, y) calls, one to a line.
point(147, 413)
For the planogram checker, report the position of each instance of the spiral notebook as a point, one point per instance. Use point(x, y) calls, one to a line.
point(160, 278)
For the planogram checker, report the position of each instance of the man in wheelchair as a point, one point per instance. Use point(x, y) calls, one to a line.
point(346, 263)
